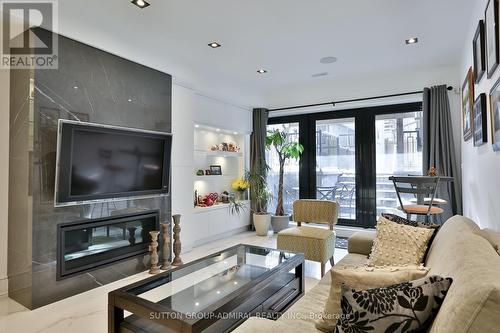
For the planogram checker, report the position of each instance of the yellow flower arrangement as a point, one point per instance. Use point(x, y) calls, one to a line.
point(240, 185)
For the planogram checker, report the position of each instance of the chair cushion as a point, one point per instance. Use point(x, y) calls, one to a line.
point(399, 244)
point(310, 232)
point(317, 244)
point(491, 236)
point(421, 209)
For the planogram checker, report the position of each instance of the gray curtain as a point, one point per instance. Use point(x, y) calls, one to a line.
point(258, 137)
point(439, 147)
point(258, 140)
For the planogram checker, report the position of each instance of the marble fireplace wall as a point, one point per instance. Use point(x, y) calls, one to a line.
point(93, 86)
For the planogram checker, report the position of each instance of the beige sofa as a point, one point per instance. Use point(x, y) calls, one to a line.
point(471, 305)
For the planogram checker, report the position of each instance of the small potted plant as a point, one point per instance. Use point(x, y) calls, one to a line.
point(240, 186)
point(286, 150)
point(260, 196)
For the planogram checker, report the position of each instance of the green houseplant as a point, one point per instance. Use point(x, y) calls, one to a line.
point(260, 196)
point(285, 150)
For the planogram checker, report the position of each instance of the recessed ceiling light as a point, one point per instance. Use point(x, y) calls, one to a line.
point(214, 45)
point(75, 87)
point(328, 60)
point(413, 40)
point(197, 126)
point(235, 133)
point(140, 3)
point(218, 129)
point(261, 71)
point(320, 74)
point(129, 100)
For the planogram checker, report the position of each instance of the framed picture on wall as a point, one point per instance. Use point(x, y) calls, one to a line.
point(478, 46)
point(491, 29)
point(480, 121)
point(495, 115)
point(467, 104)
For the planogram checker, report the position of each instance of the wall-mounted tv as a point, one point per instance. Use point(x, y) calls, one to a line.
point(97, 162)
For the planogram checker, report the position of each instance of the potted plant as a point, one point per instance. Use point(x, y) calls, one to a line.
point(286, 150)
point(260, 196)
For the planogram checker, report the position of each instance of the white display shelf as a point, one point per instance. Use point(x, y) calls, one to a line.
point(218, 153)
point(214, 177)
point(216, 207)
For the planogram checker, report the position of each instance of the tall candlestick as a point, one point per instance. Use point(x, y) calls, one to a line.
point(165, 253)
point(177, 240)
point(153, 248)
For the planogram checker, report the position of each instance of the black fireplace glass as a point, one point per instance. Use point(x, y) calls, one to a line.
point(86, 245)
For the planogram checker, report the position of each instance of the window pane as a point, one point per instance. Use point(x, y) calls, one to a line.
point(291, 171)
point(335, 164)
point(399, 152)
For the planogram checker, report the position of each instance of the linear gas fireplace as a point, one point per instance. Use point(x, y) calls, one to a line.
point(86, 245)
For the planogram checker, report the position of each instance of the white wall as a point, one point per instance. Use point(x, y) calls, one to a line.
point(480, 167)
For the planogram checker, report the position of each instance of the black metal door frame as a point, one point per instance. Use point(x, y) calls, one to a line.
point(365, 155)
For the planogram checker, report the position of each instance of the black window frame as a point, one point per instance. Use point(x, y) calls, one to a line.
point(365, 155)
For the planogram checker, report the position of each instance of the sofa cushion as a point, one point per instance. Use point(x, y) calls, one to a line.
point(360, 278)
point(473, 301)
point(361, 242)
point(399, 244)
point(405, 307)
point(491, 236)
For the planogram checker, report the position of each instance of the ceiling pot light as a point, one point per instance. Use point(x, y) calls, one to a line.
point(412, 40)
point(328, 60)
point(214, 45)
point(140, 3)
point(261, 71)
point(320, 74)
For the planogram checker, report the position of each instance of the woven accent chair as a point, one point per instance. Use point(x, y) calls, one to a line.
point(317, 244)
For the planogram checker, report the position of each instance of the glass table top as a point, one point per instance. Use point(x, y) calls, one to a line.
point(193, 287)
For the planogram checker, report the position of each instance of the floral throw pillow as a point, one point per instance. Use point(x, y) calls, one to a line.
point(404, 307)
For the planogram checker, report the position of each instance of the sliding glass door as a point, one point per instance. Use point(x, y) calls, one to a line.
point(336, 164)
point(399, 141)
point(291, 170)
point(349, 156)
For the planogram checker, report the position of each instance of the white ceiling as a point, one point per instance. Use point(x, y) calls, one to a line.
point(286, 37)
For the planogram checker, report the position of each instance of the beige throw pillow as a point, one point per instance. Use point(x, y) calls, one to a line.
point(362, 278)
point(399, 244)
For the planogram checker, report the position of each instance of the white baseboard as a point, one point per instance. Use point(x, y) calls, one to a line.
point(4, 286)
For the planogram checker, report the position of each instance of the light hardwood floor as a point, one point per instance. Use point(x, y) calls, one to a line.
point(87, 312)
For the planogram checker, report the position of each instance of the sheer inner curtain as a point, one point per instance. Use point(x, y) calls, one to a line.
point(439, 147)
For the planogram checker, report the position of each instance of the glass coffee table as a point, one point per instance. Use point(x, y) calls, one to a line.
point(212, 294)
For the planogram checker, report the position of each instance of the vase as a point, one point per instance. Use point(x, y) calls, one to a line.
point(261, 223)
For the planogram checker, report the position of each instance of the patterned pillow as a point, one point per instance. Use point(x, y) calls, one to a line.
point(398, 244)
point(361, 278)
point(404, 307)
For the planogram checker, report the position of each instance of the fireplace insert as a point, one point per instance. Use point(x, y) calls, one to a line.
point(89, 244)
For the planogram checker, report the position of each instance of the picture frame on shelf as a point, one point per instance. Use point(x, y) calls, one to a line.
point(495, 115)
point(491, 31)
point(479, 48)
point(480, 121)
point(468, 104)
point(208, 173)
point(216, 170)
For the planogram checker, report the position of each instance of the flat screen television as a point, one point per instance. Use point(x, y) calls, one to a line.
point(96, 162)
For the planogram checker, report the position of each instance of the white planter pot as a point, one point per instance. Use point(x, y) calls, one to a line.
point(262, 223)
point(280, 222)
